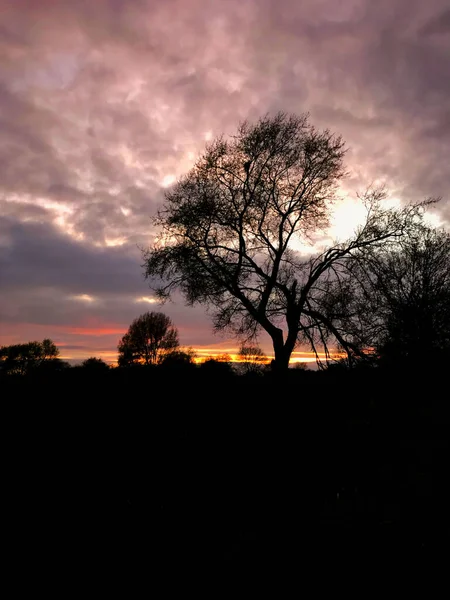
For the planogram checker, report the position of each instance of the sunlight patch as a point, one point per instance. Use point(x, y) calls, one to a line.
point(168, 180)
point(119, 241)
point(433, 220)
point(84, 298)
point(68, 228)
point(147, 299)
point(347, 216)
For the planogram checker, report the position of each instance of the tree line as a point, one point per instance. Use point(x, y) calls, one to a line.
point(151, 340)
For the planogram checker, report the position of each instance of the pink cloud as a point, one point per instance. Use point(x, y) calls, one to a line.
point(102, 103)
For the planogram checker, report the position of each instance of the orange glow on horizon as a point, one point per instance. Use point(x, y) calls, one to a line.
point(76, 349)
point(205, 353)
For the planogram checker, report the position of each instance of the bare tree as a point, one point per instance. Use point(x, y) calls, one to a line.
point(148, 340)
point(230, 228)
point(251, 358)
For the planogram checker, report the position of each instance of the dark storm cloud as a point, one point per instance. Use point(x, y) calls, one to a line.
point(38, 256)
point(103, 103)
point(48, 279)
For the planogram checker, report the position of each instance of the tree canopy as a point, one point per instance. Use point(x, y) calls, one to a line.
point(149, 339)
point(95, 364)
point(231, 229)
point(21, 359)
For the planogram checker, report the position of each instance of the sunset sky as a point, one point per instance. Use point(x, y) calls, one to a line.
point(104, 103)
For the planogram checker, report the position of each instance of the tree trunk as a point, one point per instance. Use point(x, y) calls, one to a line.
point(282, 355)
point(281, 362)
point(283, 350)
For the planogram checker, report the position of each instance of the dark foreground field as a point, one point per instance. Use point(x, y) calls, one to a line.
point(184, 468)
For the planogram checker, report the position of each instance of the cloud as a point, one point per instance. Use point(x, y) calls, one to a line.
point(103, 104)
point(39, 256)
point(84, 298)
point(438, 25)
point(147, 300)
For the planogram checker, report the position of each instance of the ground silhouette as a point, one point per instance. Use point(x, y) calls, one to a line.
point(188, 464)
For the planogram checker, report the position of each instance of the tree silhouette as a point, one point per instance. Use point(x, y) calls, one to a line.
point(251, 358)
point(217, 366)
point(404, 296)
point(300, 366)
point(179, 358)
point(229, 230)
point(95, 364)
point(21, 359)
point(148, 340)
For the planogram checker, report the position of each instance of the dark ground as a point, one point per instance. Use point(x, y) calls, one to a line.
point(180, 468)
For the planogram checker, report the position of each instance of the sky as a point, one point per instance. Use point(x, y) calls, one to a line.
point(104, 103)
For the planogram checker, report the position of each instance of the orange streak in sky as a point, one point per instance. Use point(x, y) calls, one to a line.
point(95, 331)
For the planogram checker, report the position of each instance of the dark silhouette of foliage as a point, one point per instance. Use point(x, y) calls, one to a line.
point(217, 366)
point(95, 364)
point(52, 366)
point(300, 366)
point(179, 359)
point(229, 229)
point(414, 285)
point(21, 359)
point(401, 298)
point(148, 340)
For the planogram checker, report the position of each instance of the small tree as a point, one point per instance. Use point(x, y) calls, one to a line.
point(230, 228)
point(148, 340)
point(300, 366)
point(94, 364)
point(251, 358)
